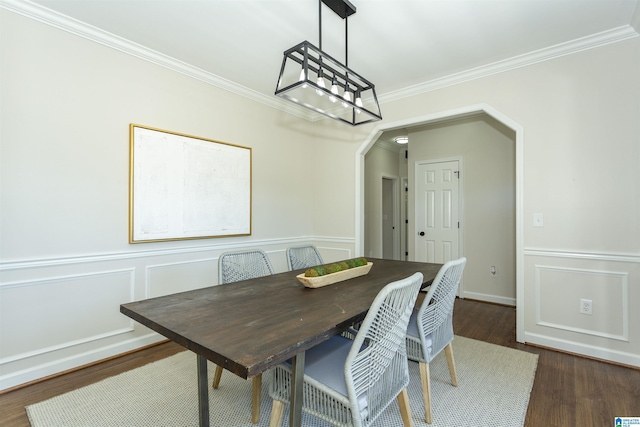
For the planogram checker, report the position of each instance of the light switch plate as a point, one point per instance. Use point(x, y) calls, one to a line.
point(538, 220)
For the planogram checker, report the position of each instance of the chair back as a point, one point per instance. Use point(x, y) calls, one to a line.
point(376, 369)
point(303, 257)
point(243, 265)
point(435, 316)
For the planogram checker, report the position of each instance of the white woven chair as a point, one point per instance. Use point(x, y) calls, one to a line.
point(350, 383)
point(431, 327)
point(303, 257)
point(233, 267)
point(243, 265)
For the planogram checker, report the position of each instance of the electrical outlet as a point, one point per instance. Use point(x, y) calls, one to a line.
point(586, 306)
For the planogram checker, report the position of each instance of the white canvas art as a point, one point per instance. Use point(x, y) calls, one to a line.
point(183, 187)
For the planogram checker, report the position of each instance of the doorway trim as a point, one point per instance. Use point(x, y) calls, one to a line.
point(404, 216)
point(395, 202)
point(455, 113)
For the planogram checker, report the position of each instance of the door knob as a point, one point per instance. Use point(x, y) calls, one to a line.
point(422, 233)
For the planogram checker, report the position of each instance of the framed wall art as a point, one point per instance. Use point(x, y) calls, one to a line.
point(186, 187)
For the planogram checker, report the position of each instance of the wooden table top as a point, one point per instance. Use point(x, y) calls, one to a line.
point(249, 326)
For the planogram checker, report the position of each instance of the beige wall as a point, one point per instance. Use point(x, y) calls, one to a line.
point(486, 149)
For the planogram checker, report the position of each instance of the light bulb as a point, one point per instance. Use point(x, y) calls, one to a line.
point(346, 97)
point(320, 83)
point(358, 101)
point(334, 90)
point(303, 78)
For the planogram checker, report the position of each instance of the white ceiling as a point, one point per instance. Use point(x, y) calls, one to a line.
point(396, 44)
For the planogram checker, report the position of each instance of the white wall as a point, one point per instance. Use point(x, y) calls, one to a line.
point(487, 152)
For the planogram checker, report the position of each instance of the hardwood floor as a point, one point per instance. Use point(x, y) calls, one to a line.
point(568, 390)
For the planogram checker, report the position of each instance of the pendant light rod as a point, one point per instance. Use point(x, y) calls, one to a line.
point(320, 22)
point(346, 41)
point(343, 8)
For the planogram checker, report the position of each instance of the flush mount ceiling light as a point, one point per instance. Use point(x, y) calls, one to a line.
point(311, 78)
point(401, 139)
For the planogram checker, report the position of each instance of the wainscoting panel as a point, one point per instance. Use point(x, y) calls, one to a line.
point(331, 253)
point(61, 313)
point(170, 278)
point(556, 282)
point(46, 315)
point(560, 289)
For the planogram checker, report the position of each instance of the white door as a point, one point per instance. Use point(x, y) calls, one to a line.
point(437, 211)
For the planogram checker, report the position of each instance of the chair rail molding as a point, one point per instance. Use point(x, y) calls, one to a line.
point(594, 256)
point(125, 255)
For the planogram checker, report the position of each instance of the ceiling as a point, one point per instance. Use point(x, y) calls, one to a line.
point(396, 44)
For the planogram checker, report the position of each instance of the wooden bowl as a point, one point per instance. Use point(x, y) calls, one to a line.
point(329, 279)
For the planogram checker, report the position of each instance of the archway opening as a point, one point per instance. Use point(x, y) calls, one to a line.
point(432, 119)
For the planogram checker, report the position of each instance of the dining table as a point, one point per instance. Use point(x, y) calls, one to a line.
point(250, 326)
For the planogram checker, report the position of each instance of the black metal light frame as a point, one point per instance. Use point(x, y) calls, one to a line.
point(351, 98)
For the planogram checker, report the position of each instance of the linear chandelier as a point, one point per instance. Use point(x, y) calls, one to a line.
point(313, 79)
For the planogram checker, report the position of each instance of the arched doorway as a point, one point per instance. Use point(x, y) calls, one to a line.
point(519, 162)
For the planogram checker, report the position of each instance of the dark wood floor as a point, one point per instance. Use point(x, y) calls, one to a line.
point(568, 390)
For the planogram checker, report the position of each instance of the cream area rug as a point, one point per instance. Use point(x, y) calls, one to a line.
point(494, 384)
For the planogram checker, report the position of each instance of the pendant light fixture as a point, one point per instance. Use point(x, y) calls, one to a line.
point(313, 79)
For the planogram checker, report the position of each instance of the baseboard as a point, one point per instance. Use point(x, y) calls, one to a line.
point(38, 372)
point(599, 353)
point(496, 299)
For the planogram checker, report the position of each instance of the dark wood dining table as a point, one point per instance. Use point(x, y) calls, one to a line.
point(250, 326)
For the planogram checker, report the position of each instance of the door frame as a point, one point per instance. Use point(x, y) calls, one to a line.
point(395, 201)
point(460, 205)
point(404, 217)
point(440, 116)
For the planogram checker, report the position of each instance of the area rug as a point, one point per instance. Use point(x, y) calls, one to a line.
point(494, 387)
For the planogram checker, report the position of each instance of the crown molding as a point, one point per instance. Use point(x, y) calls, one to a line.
point(105, 38)
point(82, 29)
point(563, 49)
point(391, 146)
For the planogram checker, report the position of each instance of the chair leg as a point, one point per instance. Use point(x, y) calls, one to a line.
point(256, 390)
point(405, 409)
point(452, 364)
point(217, 376)
point(426, 390)
point(277, 410)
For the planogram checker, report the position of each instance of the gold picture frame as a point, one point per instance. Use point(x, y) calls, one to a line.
point(185, 187)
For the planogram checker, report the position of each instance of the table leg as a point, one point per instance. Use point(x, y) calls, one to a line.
point(295, 407)
point(203, 392)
